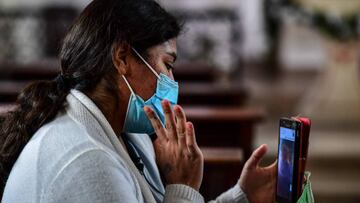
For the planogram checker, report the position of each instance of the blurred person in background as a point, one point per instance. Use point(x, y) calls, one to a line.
point(108, 128)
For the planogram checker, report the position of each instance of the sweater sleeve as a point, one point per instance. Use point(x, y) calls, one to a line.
point(92, 176)
point(233, 195)
point(178, 193)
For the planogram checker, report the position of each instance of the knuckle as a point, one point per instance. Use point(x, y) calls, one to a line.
point(158, 125)
point(152, 115)
point(167, 111)
point(180, 131)
point(184, 153)
point(188, 154)
point(168, 126)
point(181, 135)
point(201, 155)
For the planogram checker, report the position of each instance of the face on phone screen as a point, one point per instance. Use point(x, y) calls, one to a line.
point(286, 162)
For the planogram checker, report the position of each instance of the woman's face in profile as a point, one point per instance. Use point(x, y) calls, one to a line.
point(161, 58)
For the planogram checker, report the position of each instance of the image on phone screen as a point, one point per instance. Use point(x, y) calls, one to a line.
point(286, 162)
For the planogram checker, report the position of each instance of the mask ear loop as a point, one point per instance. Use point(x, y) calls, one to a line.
point(146, 63)
point(127, 83)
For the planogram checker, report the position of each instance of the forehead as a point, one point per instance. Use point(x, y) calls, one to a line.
point(169, 46)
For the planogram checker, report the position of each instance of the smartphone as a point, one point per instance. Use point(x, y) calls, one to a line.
point(287, 190)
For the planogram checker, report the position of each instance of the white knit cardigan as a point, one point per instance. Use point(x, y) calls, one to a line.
point(78, 158)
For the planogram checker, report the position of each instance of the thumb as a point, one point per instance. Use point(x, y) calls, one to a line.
point(256, 156)
point(272, 167)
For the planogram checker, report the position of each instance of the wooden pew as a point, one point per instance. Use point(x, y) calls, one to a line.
point(38, 70)
point(14, 77)
point(195, 72)
point(225, 126)
point(9, 90)
point(211, 94)
point(222, 168)
point(5, 107)
point(199, 85)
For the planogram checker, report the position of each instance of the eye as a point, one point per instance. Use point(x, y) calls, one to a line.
point(169, 66)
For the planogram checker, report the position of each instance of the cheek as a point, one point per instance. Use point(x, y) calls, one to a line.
point(152, 83)
point(145, 80)
point(160, 67)
point(147, 84)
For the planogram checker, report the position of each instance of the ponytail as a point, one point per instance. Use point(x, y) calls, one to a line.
point(37, 104)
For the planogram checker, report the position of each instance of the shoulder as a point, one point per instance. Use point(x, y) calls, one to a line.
point(92, 175)
point(61, 137)
point(63, 141)
point(65, 156)
point(81, 163)
point(65, 135)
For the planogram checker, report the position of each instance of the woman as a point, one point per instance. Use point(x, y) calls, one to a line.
point(84, 137)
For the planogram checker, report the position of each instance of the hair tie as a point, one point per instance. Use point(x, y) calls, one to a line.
point(62, 81)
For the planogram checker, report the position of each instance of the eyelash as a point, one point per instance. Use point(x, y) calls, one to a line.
point(169, 67)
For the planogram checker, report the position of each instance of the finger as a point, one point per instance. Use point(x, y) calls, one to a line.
point(155, 122)
point(191, 139)
point(180, 125)
point(169, 120)
point(256, 156)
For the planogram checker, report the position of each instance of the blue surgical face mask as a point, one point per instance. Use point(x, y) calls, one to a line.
point(136, 120)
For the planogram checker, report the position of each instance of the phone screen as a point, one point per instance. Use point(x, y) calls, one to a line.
point(286, 162)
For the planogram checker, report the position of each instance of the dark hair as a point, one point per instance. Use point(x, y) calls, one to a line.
point(86, 58)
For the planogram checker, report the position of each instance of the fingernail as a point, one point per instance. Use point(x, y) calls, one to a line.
point(165, 102)
point(177, 108)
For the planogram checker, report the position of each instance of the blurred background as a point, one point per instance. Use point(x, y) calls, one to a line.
point(242, 65)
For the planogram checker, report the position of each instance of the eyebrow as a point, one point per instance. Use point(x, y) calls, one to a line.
point(173, 54)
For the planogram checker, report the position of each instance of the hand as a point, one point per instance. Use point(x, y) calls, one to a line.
point(258, 183)
point(178, 156)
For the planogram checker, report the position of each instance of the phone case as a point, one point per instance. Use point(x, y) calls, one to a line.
point(304, 145)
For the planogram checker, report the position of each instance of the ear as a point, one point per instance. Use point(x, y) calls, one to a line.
point(120, 53)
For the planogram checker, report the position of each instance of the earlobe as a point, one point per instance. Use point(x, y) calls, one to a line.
point(120, 54)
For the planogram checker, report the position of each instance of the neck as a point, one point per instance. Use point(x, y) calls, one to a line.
point(112, 100)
